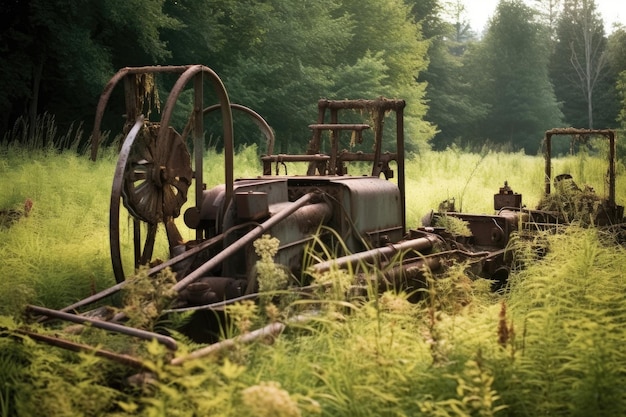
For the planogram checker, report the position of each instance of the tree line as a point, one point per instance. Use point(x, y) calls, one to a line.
point(534, 67)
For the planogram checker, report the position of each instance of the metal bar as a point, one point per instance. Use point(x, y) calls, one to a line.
point(243, 241)
point(113, 327)
point(611, 136)
point(400, 161)
point(198, 144)
point(265, 128)
point(383, 103)
point(294, 158)
point(270, 331)
point(339, 126)
point(548, 163)
point(173, 261)
point(79, 347)
point(334, 142)
point(378, 142)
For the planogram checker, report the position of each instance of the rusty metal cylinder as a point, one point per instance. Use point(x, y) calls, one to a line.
point(420, 244)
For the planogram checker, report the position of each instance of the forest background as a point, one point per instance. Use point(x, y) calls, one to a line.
point(539, 66)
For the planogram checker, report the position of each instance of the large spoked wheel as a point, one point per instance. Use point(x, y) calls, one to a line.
point(151, 179)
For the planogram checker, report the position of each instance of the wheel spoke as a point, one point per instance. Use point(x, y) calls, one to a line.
point(148, 247)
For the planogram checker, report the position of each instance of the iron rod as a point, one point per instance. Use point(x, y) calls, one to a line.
point(113, 327)
point(352, 260)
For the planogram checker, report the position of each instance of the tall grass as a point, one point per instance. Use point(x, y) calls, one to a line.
point(60, 250)
point(550, 345)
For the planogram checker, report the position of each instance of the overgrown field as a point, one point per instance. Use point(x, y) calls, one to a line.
point(551, 344)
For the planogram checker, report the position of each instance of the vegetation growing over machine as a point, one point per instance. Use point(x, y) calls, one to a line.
point(448, 354)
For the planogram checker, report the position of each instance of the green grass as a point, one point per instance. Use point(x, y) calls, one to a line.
point(552, 345)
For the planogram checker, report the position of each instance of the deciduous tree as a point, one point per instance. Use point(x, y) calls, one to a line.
point(509, 74)
point(579, 67)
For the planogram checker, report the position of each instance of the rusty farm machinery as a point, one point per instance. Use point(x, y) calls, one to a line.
point(158, 166)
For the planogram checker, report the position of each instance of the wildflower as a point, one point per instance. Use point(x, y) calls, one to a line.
point(268, 399)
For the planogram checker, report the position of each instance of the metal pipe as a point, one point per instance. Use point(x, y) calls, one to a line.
point(79, 347)
point(419, 244)
point(113, 327)
point(173, 261)
point(245, 240)
point(198, 142)
point(270, 331)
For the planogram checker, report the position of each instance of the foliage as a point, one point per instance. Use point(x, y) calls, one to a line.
point(550, 344)
point(579, 67)
point(452, 106)
point(68, 49)
point(146, 297)
point(270, 276)
point(510, 76)
point(571, 310)
point(573, 204)
point(36, 380)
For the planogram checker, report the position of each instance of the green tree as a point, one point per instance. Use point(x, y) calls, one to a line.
point(288, 55)
point(452, 107)
point(548, 12)
point(509, 73)
point(389, 30)
point(279, 58)
point(67, 50)
point(579, 67)
point(616, 55)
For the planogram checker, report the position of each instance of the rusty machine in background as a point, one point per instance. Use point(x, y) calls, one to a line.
point(157, 166)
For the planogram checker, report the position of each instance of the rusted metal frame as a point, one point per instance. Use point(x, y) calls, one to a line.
point(435, 261)
point(295, 158)
point(113, 327)
point(136, 241)
point(265, 128)
point(260, 122)
point(335, 160)
point(243, 241)
point(378, 141)
point(80, 347)
point(148, 249)
point(607, 133)
point(227, 120)
point(110, 86)
point(612, 167)
point(130, 98)
point(198, 143)
point(334, 143)
point(380, 103)
point(547, 161)
point(400, 154)
point(315, 142)
point(340, 126)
